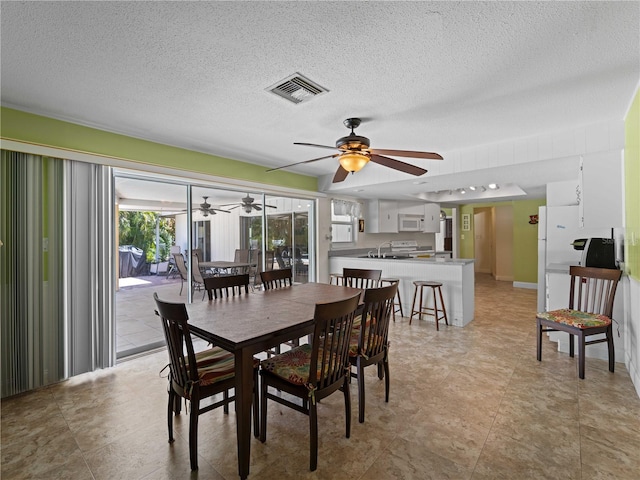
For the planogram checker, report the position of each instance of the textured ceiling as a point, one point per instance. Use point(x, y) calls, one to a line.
point(431, 76)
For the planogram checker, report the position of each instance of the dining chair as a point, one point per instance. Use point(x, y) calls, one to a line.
point(196, 376)
point(197, 275)
point(256, 261)
point(226, 285)
point(591, 295)
point(182, 270)
point(198, 253)
point(278, 279)
point(369, 344)
point(313, 372)
point(172, 268)
point(361, 277)
point(241, 255)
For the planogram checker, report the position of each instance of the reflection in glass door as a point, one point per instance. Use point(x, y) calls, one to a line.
point(202, 238)
point(289, 235)
point(222, 223)
point(145, 247)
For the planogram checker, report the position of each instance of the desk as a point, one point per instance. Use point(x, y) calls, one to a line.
point(249, 324)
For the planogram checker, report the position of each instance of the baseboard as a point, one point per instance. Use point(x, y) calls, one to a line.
point(634, 373)
point(532, 286)
point(501, 278)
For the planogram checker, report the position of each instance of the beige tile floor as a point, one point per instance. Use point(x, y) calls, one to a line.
point(466, 403)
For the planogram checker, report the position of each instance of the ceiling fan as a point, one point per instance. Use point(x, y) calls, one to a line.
point(248, 206)
point(354, 153)
point(207, 209)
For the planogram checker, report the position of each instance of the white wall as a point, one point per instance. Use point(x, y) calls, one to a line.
point(632, 330)
point(223, 246)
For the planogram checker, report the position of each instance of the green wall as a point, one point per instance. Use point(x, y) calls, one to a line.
point(525, 237)
point(35, 129)
point(632, 188)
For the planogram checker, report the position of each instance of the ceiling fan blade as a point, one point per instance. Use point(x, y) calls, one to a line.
point(340, 175)
point(233, 208)
point(398, 165)
point(269, 206)
point(220, 210)
point(300, 163)
point(314, 145)
point(257, 207)
point(406, 153)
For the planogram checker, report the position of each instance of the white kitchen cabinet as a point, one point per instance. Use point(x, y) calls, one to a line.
point(600, 185)
point(381, 216)
point(411, 208)
point(431, 222)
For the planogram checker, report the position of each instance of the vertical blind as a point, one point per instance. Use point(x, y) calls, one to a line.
point(56, 293)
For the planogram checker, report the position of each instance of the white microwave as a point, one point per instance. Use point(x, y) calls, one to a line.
point(410, 223)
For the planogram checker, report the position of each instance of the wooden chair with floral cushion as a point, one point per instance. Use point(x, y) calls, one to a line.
point(590, 312)
point(196, 376)
point(369, 344)
point(313, 372)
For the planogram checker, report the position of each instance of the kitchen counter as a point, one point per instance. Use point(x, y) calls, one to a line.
point(456, 276)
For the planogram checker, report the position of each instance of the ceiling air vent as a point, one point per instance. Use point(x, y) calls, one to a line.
point(297, 89)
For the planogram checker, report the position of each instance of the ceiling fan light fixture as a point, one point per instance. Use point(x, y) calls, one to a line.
point(353, 161)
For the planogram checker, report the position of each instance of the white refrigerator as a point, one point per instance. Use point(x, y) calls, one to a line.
point(557, 229)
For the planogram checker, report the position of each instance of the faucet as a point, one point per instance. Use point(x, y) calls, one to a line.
point(381, 245)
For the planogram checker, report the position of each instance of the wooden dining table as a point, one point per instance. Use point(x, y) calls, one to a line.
point(252, 323)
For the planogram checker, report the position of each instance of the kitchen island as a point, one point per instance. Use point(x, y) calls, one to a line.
point(456, 276)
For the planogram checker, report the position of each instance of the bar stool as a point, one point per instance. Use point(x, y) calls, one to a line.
point(435, 311)
point(397, 302)
point(336, 279)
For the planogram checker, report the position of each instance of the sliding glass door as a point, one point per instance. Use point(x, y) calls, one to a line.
point(219, 224)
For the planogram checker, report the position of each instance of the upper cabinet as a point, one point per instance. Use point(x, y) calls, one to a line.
point(600, 189)
point(431, 222)
point(381, 216)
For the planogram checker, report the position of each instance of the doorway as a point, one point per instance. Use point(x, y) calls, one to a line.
point(483, 240)
point(493, 241)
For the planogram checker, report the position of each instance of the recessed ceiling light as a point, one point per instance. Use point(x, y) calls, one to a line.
point(463, 191)
point(493, 186)
point(359, 190)
point(472, 188)
point(419, 183)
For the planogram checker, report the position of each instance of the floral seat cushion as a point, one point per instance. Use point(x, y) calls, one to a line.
point(215, 365)
point(575, 318)
point(292, 365)
point(355, 337)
